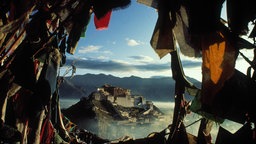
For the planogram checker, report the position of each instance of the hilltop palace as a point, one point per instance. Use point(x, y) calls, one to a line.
point(122, 97)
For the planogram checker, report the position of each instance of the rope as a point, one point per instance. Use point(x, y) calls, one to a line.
point(193, 123)
point(247, 60)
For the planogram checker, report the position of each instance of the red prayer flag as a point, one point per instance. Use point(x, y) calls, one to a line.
point(102, 23)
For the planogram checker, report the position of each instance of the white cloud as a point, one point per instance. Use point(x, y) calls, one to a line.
point(142, 59)
point(89, 49)
point(146, 58)
point(132, 42)
point(102, 57)
point(121, 61)
point(107, 52)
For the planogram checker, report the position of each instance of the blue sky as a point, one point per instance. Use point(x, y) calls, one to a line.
point(124, 48)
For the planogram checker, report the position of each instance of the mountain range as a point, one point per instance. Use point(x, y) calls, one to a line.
point(155, 88)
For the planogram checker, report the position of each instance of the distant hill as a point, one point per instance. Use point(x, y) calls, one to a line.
point(156, 88)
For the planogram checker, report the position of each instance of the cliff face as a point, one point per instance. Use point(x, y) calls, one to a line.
point(101, 115)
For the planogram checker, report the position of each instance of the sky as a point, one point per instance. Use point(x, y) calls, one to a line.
point(123, 49)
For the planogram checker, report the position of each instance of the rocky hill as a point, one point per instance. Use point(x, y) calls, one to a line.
point(98, 115)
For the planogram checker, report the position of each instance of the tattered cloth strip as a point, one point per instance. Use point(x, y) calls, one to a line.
point(13, 25)
point(196, 106)
point(14, 46)
point(80, 18)
point(239, 14)
point(103, 22)
point(243, 135)
point(164, 44)
point(74, 15)
point(236, 100)
point(10, 27)
point(17, 29)
point(181, 31)
point(102, 7)
point(162, 38)
point(47, 82)
point(218, 65)
point(204, 16)
point(47, 131)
